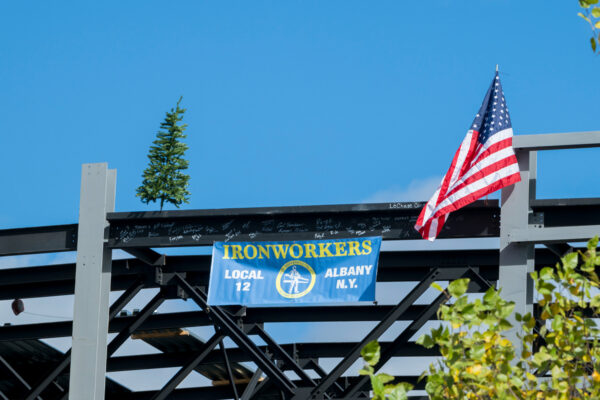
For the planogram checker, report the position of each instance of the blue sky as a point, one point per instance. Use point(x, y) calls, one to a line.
point(289, 103)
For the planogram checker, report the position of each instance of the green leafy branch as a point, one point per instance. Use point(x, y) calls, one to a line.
point(591, 13)
point(560, 356)
point(382, 383)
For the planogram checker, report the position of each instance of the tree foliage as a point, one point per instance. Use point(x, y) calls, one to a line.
point(163, 179)
point(591, 13)
point(560, 358)
point(382, 385)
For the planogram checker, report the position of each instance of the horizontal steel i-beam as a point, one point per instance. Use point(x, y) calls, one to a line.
point(554, 234)
point(42, 239)
point(557, 141)
point(392, 221)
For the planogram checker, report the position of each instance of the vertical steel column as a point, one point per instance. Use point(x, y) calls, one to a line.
point(92, 284)
point(517, 259)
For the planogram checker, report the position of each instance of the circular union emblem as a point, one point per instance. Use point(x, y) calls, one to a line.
point(294, 276)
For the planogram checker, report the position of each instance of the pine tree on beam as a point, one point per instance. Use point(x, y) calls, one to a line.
point(163, 179)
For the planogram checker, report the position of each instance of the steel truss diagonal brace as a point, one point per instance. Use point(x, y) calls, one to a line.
point(189, 367)
point(286, 359)
point(147, 311)
point(15, 374)
point(249, 391)
point(229, 373)
point(383, 326)
point(314, 365)
point(139, 320)
point(115, 308)
point(146, 255)
point(401, 340)
point(222, 321)
point(283, 355)
point(411, 330)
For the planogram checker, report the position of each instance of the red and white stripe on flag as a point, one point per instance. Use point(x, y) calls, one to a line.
point(485, 162)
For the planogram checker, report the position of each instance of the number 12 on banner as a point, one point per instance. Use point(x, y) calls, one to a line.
point(242, 286)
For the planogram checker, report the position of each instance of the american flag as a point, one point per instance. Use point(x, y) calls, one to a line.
point(484, 163)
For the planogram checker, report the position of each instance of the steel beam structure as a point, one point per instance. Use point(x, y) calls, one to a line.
point(553, 235)
point(394, 266)
point(230, 328)
point(229, 373)
point(10, 371)
point(202, 228)
point(43, 239)
point(189, 367)
point(92, 286)
point(517, 259)
point(283, 355)
point(301, 350)
point(526, 221)
point(140, 231)
point(557, 141)
point(520, 223)
point(115, 308)
point(375, 333)
point(390, 350)
point(249, 390)
point(224, 392)
point(199, 318)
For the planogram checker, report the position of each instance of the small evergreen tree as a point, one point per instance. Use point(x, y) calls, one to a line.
point(163, 179)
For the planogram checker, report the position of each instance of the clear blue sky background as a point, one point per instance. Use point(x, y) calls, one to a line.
point(289, 103)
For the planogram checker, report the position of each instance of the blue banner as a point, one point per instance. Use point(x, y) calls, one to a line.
point(294, 272)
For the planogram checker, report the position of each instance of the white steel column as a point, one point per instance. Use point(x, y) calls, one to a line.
point(92, 284)
point(517, 260)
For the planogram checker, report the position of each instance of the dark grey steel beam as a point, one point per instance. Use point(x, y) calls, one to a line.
point(390, 350)
point(42, 239)
point(280, 354)
point(122, 336)
point(239, 337)
point(375, 333)
point(400, 266)
point(224, 392)
point(303, 351)
point(249, 390)
point(388, 260)
point(189, 367)
point(560, 249)
point(57, 288)
point(553, 213)
point(228, 368)
point(135, 323)
point(395, 266)
point(203, 227)
point(61, 288)
point(15, 375)
point(115, 308)
point(146, 255)
point(199, 318)
point(314, 365)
